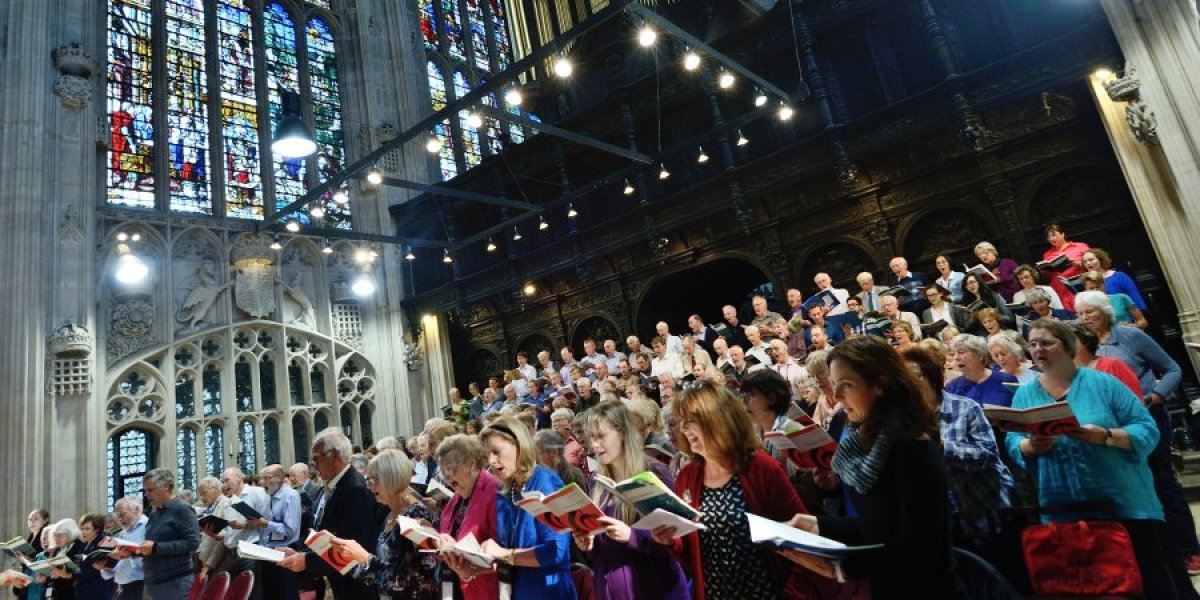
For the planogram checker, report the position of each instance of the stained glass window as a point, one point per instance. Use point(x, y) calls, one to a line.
point(243, 389)
point(283, 73)
point(239, 111)
point(270, 441)
point(185, 449)
point(185, 397)
point(130, 456)
point(347, 417)
point(212, 391)
point(214, 449)
point(266, 383)
point(320, 421)
point(187, 109)
point(131, 135)
point(365, 414)
point(452, 24)
point(300, 437)
point(331, 153)
point(500, 33)
point(248, 453)
point(437, 98)
point(470, 140)
point(428, 32)
point(478, 26)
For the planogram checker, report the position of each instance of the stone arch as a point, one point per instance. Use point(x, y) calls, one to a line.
point(842, 258)
point(598, 328)
point(534, 343)
point(952, 230)
point(482, 363)
point(701, 288)
point(1075, 193)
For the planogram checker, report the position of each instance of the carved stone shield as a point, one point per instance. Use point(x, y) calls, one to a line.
point(254, 291)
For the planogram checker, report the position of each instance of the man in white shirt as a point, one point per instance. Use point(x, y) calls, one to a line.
point(721, 353)
point(869, 296)
point(703, 334)
point(528, 371)
point(611, 357)
point(664, 360)
point(674, 344)
point(283, 529)
point(824, 282)
point(758, 348)
point(568, 361)
point(241, 527)
point(128, 573)
point(891, 310)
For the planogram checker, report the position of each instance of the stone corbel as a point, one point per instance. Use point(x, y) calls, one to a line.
point(75, 67)
point(1139, 117)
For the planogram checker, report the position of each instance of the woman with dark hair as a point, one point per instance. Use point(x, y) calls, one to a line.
point(730, 475)
point(37, 521)
point(1056, 236)
point(89, 585)
point(891, 461)
point(768, 401)
point(1030, 279)
point(948, 278)
point(978, 296)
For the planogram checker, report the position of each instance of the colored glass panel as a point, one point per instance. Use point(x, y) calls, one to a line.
point(131, 134)
point(437, 98)
point(187, 108)
point(185, 450)
point(452, 25)
point(282, 73)
point(470, 139)
point(331, 153)
point(248, 455)
point(214, 449)
point(428, 30)
point(500, 33)
point(478, 26)
point(239, 112)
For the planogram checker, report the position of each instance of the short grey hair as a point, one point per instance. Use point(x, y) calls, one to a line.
point(388, 443)
point(359, 461)
point(67, 527)
point(332, 440)
point(973, 344)
point(1008, 344)
point(1037, 294)
point(986, 247)
point(129, 502)
point(1097, 300)
point(461, 449)
point(392, 469)
point(563, 413)
point(209, 483)
point(548, 439)
point(161, 477)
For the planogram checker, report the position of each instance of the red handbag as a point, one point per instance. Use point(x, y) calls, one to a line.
point(1086, 558)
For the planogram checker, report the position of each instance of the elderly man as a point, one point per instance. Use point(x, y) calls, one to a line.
point(721, 353)
point(346, 509)
point(793, 372)
point(591, 357)
point(735, 333)
point(172, 535)
point(764, 318)
point(674, 344)
point(282, 530)
point(891, 310)
point(568, 363)
point(242, 527)
point(301, 479)
point(612, 358)
point(127, 573)
point(635, 348)
point(737, 363)
point(869, 296)
point(587, 396)
point(913, 282)
point(757, 347)
point(824, 282)
point(693, 354)
point(457, 408)
point(795, 302)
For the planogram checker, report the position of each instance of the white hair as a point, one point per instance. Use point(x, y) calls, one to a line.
point(973, 344)
point(1097, 300)
point(332, 440)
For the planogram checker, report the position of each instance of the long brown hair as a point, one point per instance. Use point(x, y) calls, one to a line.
point(729, 434)
point(905, 406)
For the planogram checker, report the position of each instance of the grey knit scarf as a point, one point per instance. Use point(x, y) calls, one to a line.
point(858, 466)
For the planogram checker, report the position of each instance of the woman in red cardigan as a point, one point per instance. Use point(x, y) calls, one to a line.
point(471, 510)
point(731, 475)
point(1074, 251)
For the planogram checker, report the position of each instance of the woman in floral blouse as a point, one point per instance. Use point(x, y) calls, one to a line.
point(397, 568)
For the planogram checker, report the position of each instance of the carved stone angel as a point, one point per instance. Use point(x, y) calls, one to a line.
point(202, 297)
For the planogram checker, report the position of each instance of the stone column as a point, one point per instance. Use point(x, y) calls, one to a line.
point(1154, 126)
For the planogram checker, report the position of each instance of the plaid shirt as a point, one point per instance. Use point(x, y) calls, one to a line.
point(977, 479)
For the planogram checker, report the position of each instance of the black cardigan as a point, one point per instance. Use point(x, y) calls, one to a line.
point(908, 511)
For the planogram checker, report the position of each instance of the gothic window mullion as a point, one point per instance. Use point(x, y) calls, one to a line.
point(266, 157)
point(216, 142)
point(303, 85)
point(162, 178)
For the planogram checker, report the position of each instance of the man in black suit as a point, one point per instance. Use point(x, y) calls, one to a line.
point(703, 334)
point(346, 509)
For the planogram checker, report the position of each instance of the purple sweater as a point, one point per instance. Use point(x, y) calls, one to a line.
point(642, 568)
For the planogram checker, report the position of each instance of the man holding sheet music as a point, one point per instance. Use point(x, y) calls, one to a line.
point(127, 572)
point(282, 530)
point(242, 527)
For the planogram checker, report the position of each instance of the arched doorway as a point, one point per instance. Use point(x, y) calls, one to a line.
point(597, 329)
point(703, 290)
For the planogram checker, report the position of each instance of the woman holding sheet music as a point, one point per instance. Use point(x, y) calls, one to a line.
point(396, 568)
point(1073, 251)
point(731, 475)
point(88, 583)
point(530, 557)
point(66, 543)
point(470, 511)
point(626, 562)
point(891, 463)
point(1104, 459)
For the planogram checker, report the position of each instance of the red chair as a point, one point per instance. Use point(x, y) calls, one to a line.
point(217, 586)
point(197, 587)
point(242, 585)
point(582, 577)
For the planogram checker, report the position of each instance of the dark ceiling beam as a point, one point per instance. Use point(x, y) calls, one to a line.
point(359, 236)
point(475, 96)
point(570, 136)
point(448, 192)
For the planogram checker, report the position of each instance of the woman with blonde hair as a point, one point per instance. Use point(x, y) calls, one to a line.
point(731, 475)
point(532, 558)
point(626, 563)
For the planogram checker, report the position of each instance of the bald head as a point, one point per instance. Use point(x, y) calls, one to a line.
point(823, 281)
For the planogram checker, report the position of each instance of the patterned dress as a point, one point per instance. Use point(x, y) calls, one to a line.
point(734, 567)
point(398, 569)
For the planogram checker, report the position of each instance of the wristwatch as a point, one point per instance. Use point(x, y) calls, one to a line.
point(1109, 440)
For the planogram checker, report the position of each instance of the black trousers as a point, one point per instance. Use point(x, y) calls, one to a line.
point(130, 591)
point(1164, 576)
point(278, 583)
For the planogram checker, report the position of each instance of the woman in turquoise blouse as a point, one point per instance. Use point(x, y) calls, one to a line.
point(1104, 459)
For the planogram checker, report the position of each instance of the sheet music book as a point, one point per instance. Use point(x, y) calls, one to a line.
point(568, 509)
point(766, 531)
point(1048, 419)
point(251, 551)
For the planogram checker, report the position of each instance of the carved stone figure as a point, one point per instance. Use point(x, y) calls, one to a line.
point(294, 291)
point(202, 296)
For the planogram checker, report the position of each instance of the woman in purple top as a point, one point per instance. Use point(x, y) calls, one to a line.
point(978, 382)
point(627, 563)
point(1003, 268)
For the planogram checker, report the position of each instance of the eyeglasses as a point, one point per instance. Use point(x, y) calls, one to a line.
point(372, 480)
point(1046, 344)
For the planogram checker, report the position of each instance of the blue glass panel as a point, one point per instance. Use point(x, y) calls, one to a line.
point(326, 103)
point(187, 108)
point(131, 135)
point(239, 111)
point(282, 74)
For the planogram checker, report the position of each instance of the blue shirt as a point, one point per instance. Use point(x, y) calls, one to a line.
point(988, 391)
point(283, 520)
point(516, 528)
point(1120, 283)
point(1121, 305)
point(128, 570)
point(1155, 369)
point(976, 477)
point(1076, 471)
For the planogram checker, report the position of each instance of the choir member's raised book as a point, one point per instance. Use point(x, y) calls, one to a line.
point(434, 489)
point(42, 567)
point(251, 551)
point(11, 577)
point(116, 542)
point(766, 531)
point(645, 492)
point(807, 446)
point(898, 292)
point(246, 511)
point(823, 298)
point(568, 509)
point(469, 549)
point(981, 272)
point(1075, 284)
point(424, 538)
point(1047, 419)
point(213, 522)
point(321, 543)
point(16, 546)
point(1058, 263)
point(662, 518)
point(660, 453)
point(567, 393)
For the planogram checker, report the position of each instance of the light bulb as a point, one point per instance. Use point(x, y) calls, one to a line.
point(122, 237)
point(516, 234)
point(760, 98)
point(691, 60)
point(563, 67)
point(491, 247)
point(725, 80)
point(785, 112)
point(571, 212)
point(317, 212)
point(628, 188)
point(663, 173)
point(529, 289)
point(513, 96)
point(474, 121)
point(362, 256)
point(742, 141)
point(647, 36)
point(702, 158)
point(326, 248)
point(446, 257)
point(135, 237)
point(131, 269)
point(542, 224)
point(374, 177)
point(1103, 74)
point(341, 197)
point(433, 145)
point(292, 226)
point(275, 245)
point(409, 255)
point(363, 286)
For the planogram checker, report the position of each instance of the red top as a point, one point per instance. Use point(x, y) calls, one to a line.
point(1120, 370)
point(1074, 252)
point(769, 494)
